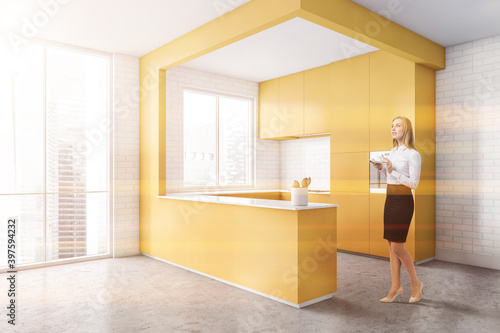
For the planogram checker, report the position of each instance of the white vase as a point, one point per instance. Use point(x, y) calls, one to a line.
point(299, 196)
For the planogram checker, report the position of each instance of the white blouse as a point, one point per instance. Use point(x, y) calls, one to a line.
point(406, 164)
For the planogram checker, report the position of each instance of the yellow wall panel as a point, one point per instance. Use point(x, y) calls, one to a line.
point(317, 100)
point(425, 230)
point(425, 200)
point(425, 124)
point(392, 93)
point(349, 172)
point(350, 96)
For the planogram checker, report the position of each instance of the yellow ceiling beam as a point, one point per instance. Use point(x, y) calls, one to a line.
point(247, 20)
point(357, 22)
point(343, 16)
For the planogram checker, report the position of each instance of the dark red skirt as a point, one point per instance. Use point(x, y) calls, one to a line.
point(398, 212)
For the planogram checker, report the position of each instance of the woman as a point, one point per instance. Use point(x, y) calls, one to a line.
point(402, 168)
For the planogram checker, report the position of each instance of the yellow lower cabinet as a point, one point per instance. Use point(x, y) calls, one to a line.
point(353, 222)
point(288, 254)
point(349, 172)
point(317, 254)
point(378, 245)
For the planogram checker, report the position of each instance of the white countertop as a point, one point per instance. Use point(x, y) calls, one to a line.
point(226, 192)
point(262, 203)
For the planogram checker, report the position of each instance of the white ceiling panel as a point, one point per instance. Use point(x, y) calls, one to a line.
point(290, 47)
point(445, 22)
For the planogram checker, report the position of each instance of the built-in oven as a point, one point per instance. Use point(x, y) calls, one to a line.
point(378, 180)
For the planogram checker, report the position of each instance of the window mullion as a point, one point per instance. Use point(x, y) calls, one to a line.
point(45, 153)
point(217, 120)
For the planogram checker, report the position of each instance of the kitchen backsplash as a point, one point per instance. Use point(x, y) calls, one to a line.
point(305, 158)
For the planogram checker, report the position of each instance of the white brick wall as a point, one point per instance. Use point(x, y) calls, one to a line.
point(126, 155)
point(305, 158)
point(468, 154)
point(267, 152)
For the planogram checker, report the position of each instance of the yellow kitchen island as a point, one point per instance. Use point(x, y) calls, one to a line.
point(269, 247)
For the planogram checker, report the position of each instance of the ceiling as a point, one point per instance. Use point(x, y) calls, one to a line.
point(137, 27)
point(445, 22)
point(290, 47)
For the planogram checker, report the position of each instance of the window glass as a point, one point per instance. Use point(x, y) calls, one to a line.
point(217, 140)
point(54, 173)
point(200, 139)
point(21, 122)
point(234, 141)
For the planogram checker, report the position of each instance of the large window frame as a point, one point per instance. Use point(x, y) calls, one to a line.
point(251, 142)
point(108, 135)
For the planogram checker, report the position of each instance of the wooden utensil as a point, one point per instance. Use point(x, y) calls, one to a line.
point(308, 181)
point(305, 182)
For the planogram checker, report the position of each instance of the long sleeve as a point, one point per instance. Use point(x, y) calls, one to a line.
point(383, 171)
point(415, 162)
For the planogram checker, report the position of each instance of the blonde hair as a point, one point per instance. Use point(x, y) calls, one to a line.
point(408, 139)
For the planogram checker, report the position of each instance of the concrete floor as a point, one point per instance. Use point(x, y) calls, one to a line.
point(142, 294)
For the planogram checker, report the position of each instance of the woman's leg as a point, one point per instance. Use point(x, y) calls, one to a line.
point(395, 272)
point(400, 251)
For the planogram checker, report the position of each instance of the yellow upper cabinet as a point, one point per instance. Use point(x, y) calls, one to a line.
point(291, 104)
point(281, 107)
point(295, 104)
point(392, 93)
point(268, 109)
point(317, 100)
point(350, 98)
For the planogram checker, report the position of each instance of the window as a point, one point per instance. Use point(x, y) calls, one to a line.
point(55, 167)
point(218, 140)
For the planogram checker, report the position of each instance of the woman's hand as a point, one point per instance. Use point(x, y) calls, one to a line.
point(388, 164)
point(377, 166)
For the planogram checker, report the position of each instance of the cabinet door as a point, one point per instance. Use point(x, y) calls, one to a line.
point(350, 96)
point(378, 245)
point(269, 109)
point(291, 104)
point(317, 102)
point(392, 93)
point(353, 222)
point(350, 172)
